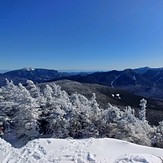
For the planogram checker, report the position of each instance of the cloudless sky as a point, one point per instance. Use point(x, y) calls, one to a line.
point(81, 34)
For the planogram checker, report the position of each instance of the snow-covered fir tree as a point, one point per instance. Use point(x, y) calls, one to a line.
point(142, 112)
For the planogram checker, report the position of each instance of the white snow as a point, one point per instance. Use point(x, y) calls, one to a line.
point(158, 73)
point(134, 78)
point(116, 77)
point(29, 69)
point(138, 158)
point(157, 81)
point(91, 150)
point(117, 96)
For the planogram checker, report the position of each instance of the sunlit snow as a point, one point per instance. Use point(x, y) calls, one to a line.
point(79, 151)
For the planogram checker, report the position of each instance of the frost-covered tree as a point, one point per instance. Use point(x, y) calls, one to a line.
point(1, 96)
point(21, 109)
point(33, 89)
point(47, 92)
point(124, 125)
point(158, 136)
point(27, 115)
point(142, 112)
point(96, 111)
point(9, 98)
point(9, 91)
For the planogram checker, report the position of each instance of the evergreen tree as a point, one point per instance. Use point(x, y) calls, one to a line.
point(142, 112)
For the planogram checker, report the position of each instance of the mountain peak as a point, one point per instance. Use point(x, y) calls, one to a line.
point(28, 69)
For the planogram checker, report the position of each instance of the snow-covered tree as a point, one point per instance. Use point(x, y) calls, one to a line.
point(33, 89)
point(22, 110)
point(27, 115)
point(95, 106)
point(158, 136)
point(142, 112)
point(1, 95)
point(47, 92)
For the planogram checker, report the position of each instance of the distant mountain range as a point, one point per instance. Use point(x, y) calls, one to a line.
point(147, 82)
point(37, 75)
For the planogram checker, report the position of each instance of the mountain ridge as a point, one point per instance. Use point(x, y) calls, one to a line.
point(129, 79)
point(144, 81)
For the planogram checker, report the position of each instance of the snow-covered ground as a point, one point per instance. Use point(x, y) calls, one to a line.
point(79, 151)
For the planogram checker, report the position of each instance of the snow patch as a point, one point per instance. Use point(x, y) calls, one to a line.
point(29, 69)
point(112, 82)
point(116, 96)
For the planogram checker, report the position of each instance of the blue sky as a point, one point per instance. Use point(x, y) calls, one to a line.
point(81, 34)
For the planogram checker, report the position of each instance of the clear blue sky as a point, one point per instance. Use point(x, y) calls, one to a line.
point(81, 34)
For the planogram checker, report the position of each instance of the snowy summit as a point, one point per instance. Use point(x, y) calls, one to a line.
point(79, 151)
point(28, 69)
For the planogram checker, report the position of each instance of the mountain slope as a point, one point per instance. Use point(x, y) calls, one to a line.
point(156, 76)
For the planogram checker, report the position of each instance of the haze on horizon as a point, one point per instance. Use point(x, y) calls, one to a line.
point(81, 35)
